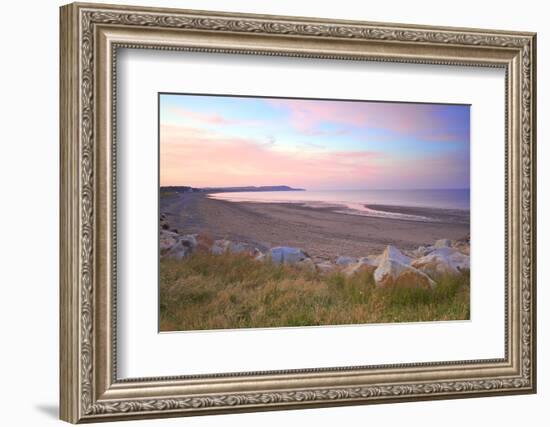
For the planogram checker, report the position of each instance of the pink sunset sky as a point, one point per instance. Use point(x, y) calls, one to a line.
point(216, 141)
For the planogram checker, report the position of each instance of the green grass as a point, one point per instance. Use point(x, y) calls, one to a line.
point(232, 291)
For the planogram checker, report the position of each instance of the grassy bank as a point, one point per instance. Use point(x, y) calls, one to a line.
point(216, 292)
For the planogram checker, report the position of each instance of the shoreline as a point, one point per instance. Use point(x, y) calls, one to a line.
point(323, 232)
point(376, 210)
point(436, 214)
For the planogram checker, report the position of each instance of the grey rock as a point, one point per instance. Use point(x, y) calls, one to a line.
point(345, 260)
point(287, 255)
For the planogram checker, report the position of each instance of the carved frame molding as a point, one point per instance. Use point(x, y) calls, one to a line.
point(90, 36)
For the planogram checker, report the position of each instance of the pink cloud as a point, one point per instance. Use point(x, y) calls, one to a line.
point(405, 118)
point(198, 157)
point(209, 118)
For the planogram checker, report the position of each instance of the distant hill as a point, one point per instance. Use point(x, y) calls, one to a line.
point(180, 189)
point(250, 188)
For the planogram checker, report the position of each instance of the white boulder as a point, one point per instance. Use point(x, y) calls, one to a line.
point(421, 251)
point(243, 248)
point(358, 267)
point(392, 273)
point(368, 263)
point(183, 247)
point(441, 261)
point(287, 255)
point(222, 246)
point(394, 254)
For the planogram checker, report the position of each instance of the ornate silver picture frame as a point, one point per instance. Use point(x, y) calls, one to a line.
point(91, 35)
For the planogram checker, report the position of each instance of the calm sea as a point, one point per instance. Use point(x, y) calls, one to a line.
point(357, 201)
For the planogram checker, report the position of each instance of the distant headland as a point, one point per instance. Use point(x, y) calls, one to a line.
point(249, 188)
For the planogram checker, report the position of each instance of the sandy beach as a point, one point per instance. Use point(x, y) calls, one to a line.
point(322, 232)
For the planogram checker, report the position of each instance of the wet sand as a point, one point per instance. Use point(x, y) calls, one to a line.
point(323, 233)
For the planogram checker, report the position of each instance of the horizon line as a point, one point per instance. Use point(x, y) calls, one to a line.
point(304, 188)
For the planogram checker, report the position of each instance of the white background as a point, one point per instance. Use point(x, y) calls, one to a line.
point(29, 171)
point(145, 353)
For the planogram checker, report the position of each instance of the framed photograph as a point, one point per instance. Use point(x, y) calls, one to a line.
point(266, 212)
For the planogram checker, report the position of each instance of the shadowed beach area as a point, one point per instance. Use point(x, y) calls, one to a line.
point(323, 232)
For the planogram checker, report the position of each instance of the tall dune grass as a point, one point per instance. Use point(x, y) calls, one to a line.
point(208, 291)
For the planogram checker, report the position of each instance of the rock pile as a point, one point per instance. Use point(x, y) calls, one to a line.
point(223, 246)
point(173, 245)
point(420, 268)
